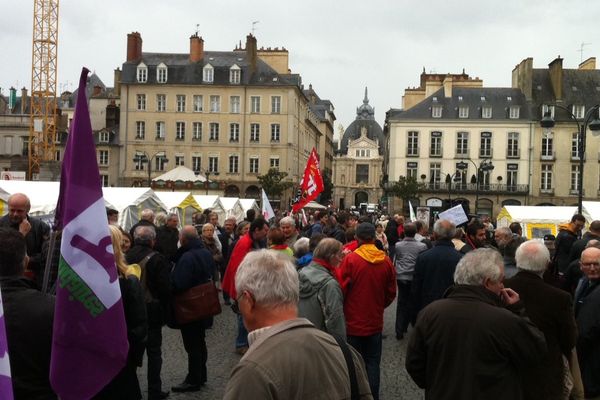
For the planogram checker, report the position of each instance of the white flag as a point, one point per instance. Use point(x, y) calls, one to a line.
point(267, 210)
point(413, 217)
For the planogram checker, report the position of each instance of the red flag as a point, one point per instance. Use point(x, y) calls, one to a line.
point(311, 184)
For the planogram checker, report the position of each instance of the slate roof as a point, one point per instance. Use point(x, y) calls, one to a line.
point(500, 99)
point(183, 72)
point(365, 117)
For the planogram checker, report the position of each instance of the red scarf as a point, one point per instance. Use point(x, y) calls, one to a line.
point(279, 246)
point(335, 272)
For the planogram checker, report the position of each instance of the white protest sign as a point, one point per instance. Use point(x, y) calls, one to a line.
point(456, 215)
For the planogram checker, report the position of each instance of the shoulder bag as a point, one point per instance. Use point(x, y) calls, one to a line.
point(196, 303)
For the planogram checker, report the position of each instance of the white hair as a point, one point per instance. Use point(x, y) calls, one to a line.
point(477, 266)
point(444, 229)
point(148, 215)
point(288, 221)
point(533, 255)
point(270, 277)
point(302, 246)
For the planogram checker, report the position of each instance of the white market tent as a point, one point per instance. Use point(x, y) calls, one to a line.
point(314, 205)
point(180, 173)
point(536, 221)
point(130, 201)
point(591, 210)
point(231, 208)
point(247, 204)
point(181, 203)
point(207, 201)
point(42, 195)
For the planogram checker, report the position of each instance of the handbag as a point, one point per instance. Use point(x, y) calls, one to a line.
point(196, 303)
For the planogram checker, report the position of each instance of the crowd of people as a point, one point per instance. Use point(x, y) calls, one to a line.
point(487, 314)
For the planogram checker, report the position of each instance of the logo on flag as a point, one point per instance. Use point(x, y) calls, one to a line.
point(311, 184)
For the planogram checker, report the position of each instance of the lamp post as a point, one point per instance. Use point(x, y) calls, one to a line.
point(142, 157)
point(486, 165)
point(207, 174)
point(590, 119)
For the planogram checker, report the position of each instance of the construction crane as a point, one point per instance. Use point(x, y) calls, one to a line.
point(43, 120)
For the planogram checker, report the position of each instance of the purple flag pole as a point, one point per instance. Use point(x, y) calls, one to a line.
point(6, 389)
point(89, 344)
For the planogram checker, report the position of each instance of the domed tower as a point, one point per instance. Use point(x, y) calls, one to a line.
point(357, 166)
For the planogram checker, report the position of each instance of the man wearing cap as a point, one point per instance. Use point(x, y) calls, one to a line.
point(370, 283)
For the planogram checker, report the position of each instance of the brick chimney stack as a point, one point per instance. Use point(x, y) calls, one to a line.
point(24, 100)
point(196, 48)
point(134, 46)
point(251, 52)
point(555, 69)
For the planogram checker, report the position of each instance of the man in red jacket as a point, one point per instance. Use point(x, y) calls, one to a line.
point(370, 287)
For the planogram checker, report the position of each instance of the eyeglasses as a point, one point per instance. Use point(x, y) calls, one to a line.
point(235, 306)
point(590, 265)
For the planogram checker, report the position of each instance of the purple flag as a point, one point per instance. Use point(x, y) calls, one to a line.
point(89, 344)
point(6, 390)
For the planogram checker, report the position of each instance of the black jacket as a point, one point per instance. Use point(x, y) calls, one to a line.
point(587, 314)
point(562, 248)
point(166, 241)
point(28, 315)
point(338, 233)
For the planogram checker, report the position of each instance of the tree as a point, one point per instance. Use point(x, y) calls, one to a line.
point(327, 192)
point(406, 188)
point(273, 182)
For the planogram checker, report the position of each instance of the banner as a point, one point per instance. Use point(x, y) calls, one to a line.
point(311, 184)
point(411, 211)
point(6, 390)
point(267, 210)
point(89, 343)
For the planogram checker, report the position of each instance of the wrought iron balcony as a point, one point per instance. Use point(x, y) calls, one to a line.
point(472, 188)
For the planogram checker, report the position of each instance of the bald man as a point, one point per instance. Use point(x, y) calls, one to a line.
point(33, 229)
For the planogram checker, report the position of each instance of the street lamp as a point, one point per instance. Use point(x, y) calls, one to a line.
point(590, 119)
point(207, 173)
point(486, 165)
point(141, 157)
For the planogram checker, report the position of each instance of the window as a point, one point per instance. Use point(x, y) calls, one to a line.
point(274, 162)
point(213, 164)
point(412, 150)
point(435, 149)
point(547, 108)
point(139, 163)
point(435, 174)
point(161, 102)
point(160, 130)
point(575, 178)
point(362, 173)
point(103, 157)
point(208, 74)
point(102, 137)
point(548, 146)
point(234, 104)
point(575, 146)
point(512, 149)
point(159, 163)
point(104, 180)
point(141, 102)
point(196, 163)
point(546, 178)
point(254, 132)
point(463, 112)
point(179, 160)
point(57, 155)
point(140, 130)
point(142, 73)
point(436, 112)
point(511, 176)
point(486, 112)
point(234, 74)
point(214, 132)
point(197, 131)
point(513, 112)
point(578, 111)
point(234, 132)
point(180, 103)
point(180, 131)
point(215, 103)
point(198, 103)
point(255, 104)
point(275, 104)
point(462, 143)
point(254, 165)
point(275, 132)
point(161, 73)
point(234, 162)
point(411, 170)
point(485, 148)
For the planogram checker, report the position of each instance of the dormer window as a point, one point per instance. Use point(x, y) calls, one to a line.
point(482, 98)
point(547, 108)
point(161, 73)
point(234, 74)
point(486, 112)
point(513, 112)
point(142, 73)
point(578, 111)
point(463, 112)
point(103, 137)
point(436, 112)
point(208, 74)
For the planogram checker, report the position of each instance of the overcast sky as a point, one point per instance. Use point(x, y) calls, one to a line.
point(338, 46)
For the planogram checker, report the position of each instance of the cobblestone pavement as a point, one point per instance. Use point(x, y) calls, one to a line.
point(395, 382)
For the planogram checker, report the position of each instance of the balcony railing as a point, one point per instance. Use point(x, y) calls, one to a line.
point(472, 188)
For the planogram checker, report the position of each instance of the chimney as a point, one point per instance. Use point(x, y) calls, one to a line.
point(24, 100)
point(522, 77)
point(589, 64)
point(555, 69)
point(196, 48)
point(97, 90)
point(448, 86)
point(12, 99)
point(117, 84)
point(134, 46)
point(251, 54)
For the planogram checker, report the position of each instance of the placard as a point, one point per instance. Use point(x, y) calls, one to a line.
point(456, 215)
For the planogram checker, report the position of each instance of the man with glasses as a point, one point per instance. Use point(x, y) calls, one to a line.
point(587, 314)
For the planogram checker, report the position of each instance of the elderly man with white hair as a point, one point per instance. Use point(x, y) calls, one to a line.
point(288, 227)
point(288, 358)
point(551, 310)
point(467, 345)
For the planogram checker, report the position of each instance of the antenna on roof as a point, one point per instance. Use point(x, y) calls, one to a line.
point(254, 26)
point(197, 29)
point(581, 50)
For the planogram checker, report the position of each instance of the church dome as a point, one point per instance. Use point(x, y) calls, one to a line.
point(365, 119)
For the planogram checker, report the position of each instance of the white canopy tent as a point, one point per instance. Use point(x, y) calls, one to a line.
point(591, 210)
point(42, 195)
point(231, 208)
point(130, 201)
point(180, 173)
point(247, 204)
point(314, 205)
point(181, 203)
point(536, 221)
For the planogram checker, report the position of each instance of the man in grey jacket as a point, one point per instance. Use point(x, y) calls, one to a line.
point(288, 357)
point(405, 259)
